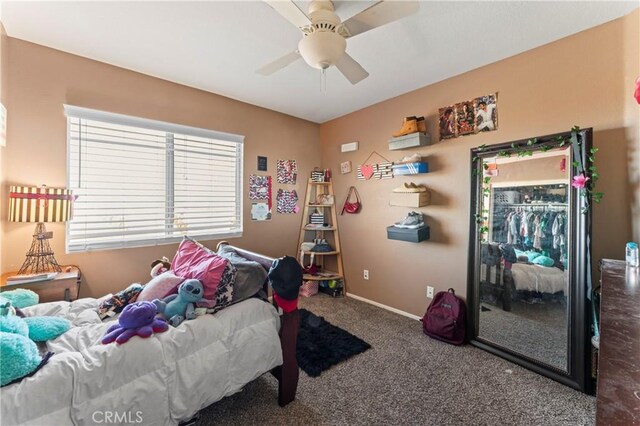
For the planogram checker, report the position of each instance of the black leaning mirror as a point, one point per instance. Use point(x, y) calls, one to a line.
point(528, 291)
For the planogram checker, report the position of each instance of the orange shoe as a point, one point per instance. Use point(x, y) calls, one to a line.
point(409, 125)
point(422, 125)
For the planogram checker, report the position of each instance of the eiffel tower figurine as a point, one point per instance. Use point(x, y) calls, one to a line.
point(40, 255)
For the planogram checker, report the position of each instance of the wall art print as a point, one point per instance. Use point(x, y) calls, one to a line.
point(259, 187)
point(469, 117)
point(287, 202)
point(486, 113)
point(287, 171)
point(447, 122)
point(465, 118)
point(260, 211)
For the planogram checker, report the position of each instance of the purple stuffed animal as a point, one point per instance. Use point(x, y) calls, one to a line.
point(137, 319)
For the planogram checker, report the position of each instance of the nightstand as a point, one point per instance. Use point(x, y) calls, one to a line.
point(65, 285)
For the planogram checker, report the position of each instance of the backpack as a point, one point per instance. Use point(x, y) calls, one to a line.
point(445, 318)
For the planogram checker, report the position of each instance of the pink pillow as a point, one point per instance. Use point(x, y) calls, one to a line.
point(160, 287)
point(191, 261)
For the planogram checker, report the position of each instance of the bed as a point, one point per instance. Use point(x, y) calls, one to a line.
point(162, 380)
point(503, 279)
point(539, 279)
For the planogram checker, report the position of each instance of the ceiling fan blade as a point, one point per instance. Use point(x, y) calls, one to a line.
point(351, 69)
point(279, 63)
point(290, 12)
point(379, 14)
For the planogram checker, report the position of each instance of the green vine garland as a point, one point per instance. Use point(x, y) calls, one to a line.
point(585, 178)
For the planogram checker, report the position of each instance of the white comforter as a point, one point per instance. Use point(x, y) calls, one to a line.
point(539, 278)
point(161, 380)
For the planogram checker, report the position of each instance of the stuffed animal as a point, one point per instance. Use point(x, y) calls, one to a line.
point(21, 297)
point(178, 307)
point(19, 355)
point(136, 319)
point(160, 266)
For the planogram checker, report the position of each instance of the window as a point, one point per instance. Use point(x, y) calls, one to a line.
point(141, 182)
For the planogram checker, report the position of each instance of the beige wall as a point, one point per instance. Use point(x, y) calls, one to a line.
point(43, 79)
point(586, 80)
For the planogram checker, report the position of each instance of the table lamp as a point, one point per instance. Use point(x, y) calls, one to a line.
point(39, 205)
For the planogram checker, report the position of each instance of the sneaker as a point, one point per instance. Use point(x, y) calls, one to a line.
point(412, 221)
point(410, 187)
point(413, 158)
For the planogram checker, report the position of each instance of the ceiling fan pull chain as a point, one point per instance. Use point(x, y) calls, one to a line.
point(323, 80)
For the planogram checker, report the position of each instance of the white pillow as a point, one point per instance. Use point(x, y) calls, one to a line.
point(160, 287)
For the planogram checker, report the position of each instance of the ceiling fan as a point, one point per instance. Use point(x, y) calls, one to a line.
point(324, 36)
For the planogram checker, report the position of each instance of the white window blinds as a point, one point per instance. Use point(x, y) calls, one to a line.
point(143, 182)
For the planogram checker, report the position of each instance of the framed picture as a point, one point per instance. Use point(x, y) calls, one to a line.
point(465, 118)
point(446, 122)
point(260, 211)
point(345, 167)
point(486, 108)
point(262, 164)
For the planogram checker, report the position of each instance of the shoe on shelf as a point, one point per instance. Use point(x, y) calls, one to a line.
point(409, 125)
point(410, 187)
point(413, 158)
point(413, 220)
point(422, 124)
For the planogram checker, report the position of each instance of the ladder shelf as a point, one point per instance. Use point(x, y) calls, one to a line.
point(309, 232)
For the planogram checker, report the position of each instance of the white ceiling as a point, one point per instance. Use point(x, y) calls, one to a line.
point(217, 46)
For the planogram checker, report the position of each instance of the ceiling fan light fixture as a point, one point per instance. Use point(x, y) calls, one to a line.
point(321, 49)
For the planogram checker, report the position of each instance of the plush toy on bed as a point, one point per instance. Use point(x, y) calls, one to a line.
point(178, 307)
point(159, 266)
point(19, 355)
point(136, 319)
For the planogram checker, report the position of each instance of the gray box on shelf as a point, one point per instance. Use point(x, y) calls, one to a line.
point(410, 199)
point(411, 140)
point(411, 235)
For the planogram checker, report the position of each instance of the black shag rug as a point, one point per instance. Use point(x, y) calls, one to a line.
point(322, 345)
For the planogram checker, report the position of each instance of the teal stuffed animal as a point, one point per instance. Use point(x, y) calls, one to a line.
point(19, 355)
point(21, 297)
point(178, 307)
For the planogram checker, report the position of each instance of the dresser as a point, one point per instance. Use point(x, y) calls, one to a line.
point(618, 397)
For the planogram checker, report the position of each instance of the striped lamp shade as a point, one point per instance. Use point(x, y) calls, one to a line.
point(40, 204)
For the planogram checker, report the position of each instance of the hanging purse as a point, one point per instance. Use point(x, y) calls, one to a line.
point(352, 207)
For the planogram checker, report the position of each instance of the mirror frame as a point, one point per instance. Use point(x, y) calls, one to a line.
point(578, 374)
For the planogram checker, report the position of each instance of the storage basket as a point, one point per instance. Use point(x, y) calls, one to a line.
point(507, 197)
point(309, 288)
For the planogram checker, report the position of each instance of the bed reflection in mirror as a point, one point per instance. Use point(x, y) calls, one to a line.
point(523, 276)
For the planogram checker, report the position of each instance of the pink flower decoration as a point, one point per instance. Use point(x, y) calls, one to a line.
point(637, 93)
point(579, 181)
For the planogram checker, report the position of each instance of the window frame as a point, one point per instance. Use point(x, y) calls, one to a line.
point(82, 113)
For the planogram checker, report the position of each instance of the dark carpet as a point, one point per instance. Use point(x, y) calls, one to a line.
point(538, 331)
point(322, 345)
point(405, 378)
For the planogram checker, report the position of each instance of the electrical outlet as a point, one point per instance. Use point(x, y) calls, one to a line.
point(429, 292)
point(366, 274)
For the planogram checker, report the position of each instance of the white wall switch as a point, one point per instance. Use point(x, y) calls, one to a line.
point(430, 292)
point(366, 274)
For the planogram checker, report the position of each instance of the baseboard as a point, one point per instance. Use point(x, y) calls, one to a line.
point(388, 308)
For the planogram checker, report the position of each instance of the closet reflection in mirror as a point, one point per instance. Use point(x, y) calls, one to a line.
point(523, 277)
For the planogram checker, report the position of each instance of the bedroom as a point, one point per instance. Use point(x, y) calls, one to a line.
point(579, 69)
